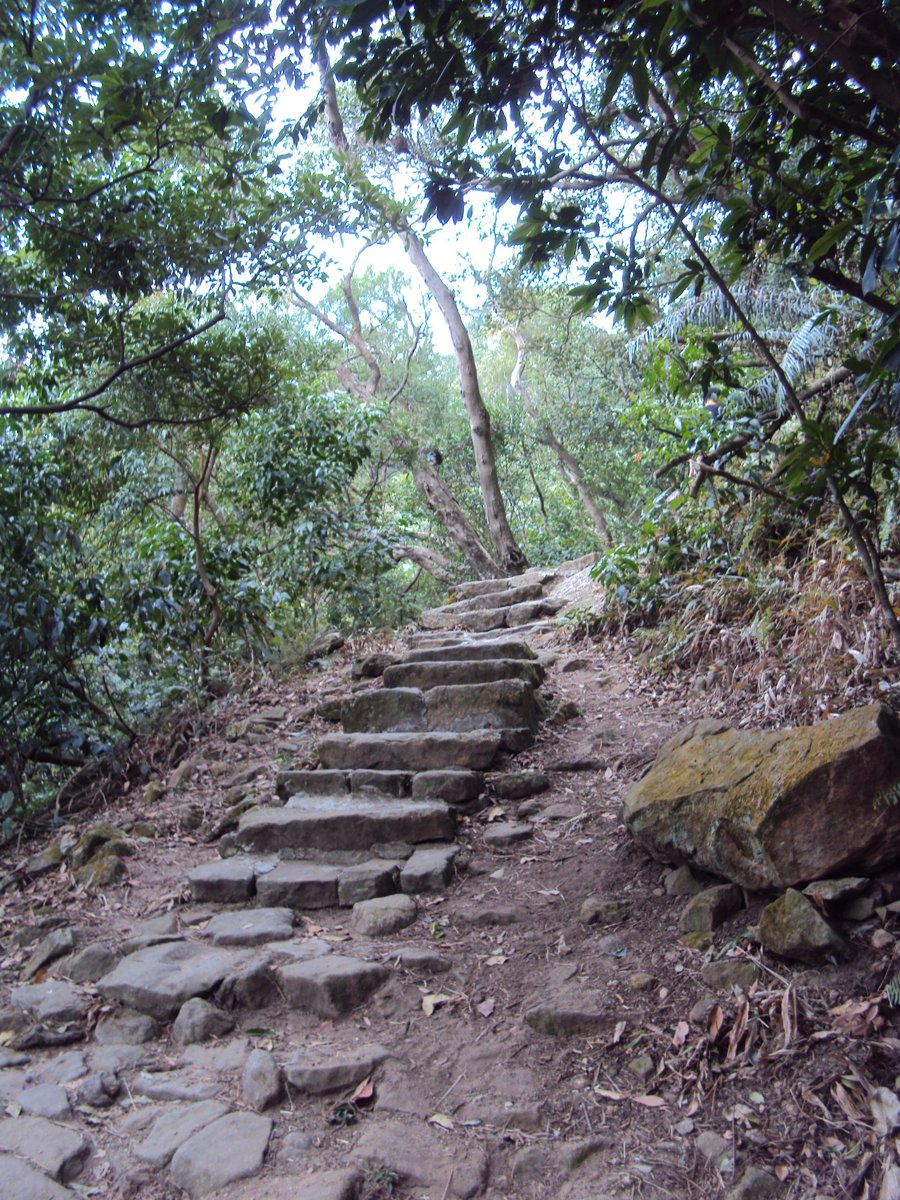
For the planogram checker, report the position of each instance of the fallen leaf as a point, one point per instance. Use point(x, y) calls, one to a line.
point(781, 1173)
point(608, 1095)
point(617, 1032)
point(649, 1101)
point(680, 1036)
point(715, 1021)
point(738, 1030)
point(885, 1111)
point(364, 1092)
point(442, 1120)
point(485, 1008)
point(495, 960)
point(433, 1000)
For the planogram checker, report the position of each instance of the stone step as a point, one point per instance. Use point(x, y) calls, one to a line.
point(343, 823)
point(343, 783)
point(437, 673)
point(478, 622)
point(295, 883)
point(465, 651)
point(524, 614)
point(410, 751)
point(482, 587)
point(502, 704)
point(502, 598)
point(330, 986)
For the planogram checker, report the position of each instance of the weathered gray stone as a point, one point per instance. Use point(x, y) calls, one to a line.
point(198, 1021)
point(89, 964)
point(45, 1100)
point(504, 833)
point(473, 652)
point(571, 1011)
point(429, 869)
point(231, 1148)
point(316, 1074)
point(397, 710)
point(54, 945)
point(262, 1085)
point(708, 909)
point(45, 860)
point(410, 751)
point(718, 1152)
point(311, 783)
point(365, 881)
point(383, 915)
point(523, 614)
point(174, 1127)
point(681, 881)
point(331, 986)
point(99, 1090)
point(436, 673)
point(225, 881)
point(298, 885)
point(251, 926)
point(727, 973)
point(343, 823)
point(126, 1028)
point(505, 704)
point(62, 1068)
point(102, 837)
point(422, 963)
point(834, 892)
point(774, 809)
point(754, 1185)
point(380, 783)
point(598, 910)
point(54, 1000)
point(175, 1086)
point(792, 927)
point(518, 785)
point(454, 787)
point(58, 1150)
point(250, 985)
point(19, 1181)
point(372, 665)
point(158, 980)
point(445, 618)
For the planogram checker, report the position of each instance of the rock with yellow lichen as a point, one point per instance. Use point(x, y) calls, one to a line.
point(771, 809)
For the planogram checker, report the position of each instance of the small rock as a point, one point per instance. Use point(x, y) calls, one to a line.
point(102, 871)
point(174, 1127)
point(323, 644)
point(231, 1148)
point(505, 833)
point(251, 927)
point(372, 665)
point(836, 891)
point(754, 1185)
point(576, 1154)
point(597, 911)
point(100, 1090)
point(710, 908)
point(570, 1012)
point(47, 860)
point(54, 1000)
point(699, 941)
point(793, 928)
point(519, 785)
point(198, 1021)
point(702, 1011)
point(295, 1145)
point(126, 1027)
point(96, 839)
point(717, 1152)
point(727, 973)
point(681, 881)
point(261, 1085)
point(881, 939)
point(176, 1086)
point(858, 909)
point(316, 1075)
point(331, 986)
point(54, 945)
point(383, 915)
point(421, 963)
point(641, 981)
point(643, 1068)
point(224, 882)
point(90, 964)
point(429, 869)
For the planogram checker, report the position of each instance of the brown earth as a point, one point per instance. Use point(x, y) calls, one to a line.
point(786, 1073)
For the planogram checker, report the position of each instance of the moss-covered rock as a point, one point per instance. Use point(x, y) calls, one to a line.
point(774, 809)
point(102, 871)
point(792, 927)
point(96, 839)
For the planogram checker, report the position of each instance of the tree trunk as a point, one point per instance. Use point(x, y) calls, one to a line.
point(462, 533)
point(510, 557)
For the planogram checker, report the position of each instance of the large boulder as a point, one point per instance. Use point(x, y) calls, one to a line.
point(774, 809)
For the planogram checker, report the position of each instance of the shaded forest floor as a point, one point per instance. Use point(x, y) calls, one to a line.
point(685, 1087)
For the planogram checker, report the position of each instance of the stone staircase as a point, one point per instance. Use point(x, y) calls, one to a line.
point(371, 829)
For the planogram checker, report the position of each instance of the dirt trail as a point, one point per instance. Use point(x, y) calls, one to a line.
point(543, 1030)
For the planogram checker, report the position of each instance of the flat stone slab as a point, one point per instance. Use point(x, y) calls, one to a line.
point(175, 1126)
point(231, 1148)
point(431, 674)
point(54, 1000)
point(311, 783)
point(446, 618)
point(319, 1073)
point(332, 986)
point(19, 1181)
point(224, 881)
point(252, 926)
point(299, 884)
point(49, 1100)
point(472, 652)
point(410, 751)
point(343, 823)
point(380, 783)
point(159, 979)
point(429, 869)
point(503, 704)
point(387, 710)
point(422, 963)
point(571, 1012)
point(505, 834)
point(57, 1150)
point(455, 787)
